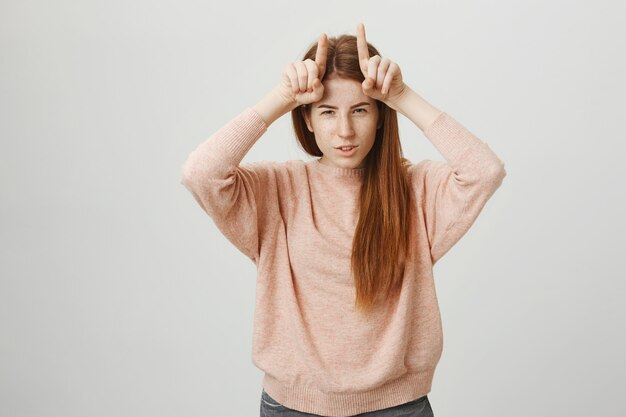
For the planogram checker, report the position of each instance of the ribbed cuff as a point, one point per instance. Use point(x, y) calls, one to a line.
point(234, 139)
point(240, 134)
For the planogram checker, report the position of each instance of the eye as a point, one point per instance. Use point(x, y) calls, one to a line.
point(328, 111)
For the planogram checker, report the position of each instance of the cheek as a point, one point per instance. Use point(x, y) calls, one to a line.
point(323, 138)
point(322, 132)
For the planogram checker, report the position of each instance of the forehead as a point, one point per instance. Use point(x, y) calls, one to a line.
point(343, 92)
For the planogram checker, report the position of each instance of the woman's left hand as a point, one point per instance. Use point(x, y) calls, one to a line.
point(383, 78)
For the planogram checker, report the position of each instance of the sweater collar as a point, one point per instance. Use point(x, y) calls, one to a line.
point(337, 171)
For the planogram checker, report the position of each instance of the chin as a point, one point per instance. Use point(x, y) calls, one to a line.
point(345, 163)
point(355, 164)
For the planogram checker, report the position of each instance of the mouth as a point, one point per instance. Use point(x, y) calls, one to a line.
point(348, 150)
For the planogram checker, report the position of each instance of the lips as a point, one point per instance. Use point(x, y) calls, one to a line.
point(343, 146)
point(349, 153)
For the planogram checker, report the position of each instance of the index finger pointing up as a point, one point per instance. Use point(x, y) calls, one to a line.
point(361, 43)
point(320, 54)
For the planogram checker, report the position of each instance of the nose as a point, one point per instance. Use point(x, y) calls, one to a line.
point(344, 128)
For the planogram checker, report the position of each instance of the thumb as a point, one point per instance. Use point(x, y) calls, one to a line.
point(318, 87)
point(367, 84)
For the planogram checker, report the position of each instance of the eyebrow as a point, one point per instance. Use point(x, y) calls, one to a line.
point(363, 103)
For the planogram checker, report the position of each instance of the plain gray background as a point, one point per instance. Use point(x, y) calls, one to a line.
point(119, 296)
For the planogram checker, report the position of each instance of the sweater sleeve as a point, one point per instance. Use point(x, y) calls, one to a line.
point(232, 193)
point(455, 191)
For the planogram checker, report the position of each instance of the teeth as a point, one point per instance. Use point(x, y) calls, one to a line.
point(347, 148)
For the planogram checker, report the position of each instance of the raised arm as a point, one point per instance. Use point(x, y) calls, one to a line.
point(453, 192)
point(242, 199)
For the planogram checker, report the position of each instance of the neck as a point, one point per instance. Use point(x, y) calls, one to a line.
point(337, 171)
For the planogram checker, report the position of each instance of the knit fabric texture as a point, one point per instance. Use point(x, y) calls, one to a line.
point(295, 220)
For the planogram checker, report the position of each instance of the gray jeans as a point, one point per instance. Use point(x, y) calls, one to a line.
point(416, 408)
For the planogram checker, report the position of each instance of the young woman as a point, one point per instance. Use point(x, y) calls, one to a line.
point(346, 317)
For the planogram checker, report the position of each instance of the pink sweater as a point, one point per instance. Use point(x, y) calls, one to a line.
point(295, 220)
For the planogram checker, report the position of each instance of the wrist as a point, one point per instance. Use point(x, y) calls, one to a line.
point(273, 106)
point(416, 108)
point(399, 102)
point(286, 103)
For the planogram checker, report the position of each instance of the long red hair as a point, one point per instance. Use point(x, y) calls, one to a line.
point(381, 239)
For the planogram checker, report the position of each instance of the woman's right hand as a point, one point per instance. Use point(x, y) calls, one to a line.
point(300, 82)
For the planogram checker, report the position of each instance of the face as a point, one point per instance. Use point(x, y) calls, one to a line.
point(343, 116)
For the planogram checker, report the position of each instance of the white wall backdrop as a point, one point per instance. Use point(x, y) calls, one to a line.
point(119, 296)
